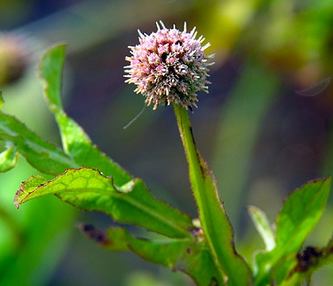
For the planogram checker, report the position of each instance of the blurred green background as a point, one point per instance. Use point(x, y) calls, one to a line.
point(265, 128)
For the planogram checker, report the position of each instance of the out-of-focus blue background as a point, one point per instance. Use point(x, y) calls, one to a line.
point(265, 128)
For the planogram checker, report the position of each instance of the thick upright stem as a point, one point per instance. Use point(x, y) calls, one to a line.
point(215, 223)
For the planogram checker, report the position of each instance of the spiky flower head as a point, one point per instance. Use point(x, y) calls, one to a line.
point(169, 66)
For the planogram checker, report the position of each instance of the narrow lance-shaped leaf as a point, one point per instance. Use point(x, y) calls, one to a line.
point(89, 190)
point(42, 155)
point(297, 218)
point(75, 141)
point(262, 225)
point(214, 220)
point(189, 255)
point(301, 212)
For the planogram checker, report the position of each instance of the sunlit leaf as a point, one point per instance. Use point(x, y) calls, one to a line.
point(297, 218)
point(89, 190)
point(42, 155)
point(301, 212)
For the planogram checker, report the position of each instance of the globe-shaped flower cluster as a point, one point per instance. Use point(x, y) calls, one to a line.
point(169, 66)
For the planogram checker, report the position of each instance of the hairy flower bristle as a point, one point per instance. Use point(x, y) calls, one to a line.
point(169, 66)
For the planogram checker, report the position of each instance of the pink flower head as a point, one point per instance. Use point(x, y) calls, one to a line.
point(169, 66)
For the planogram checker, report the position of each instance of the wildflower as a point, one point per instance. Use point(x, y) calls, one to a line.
point(169, 66)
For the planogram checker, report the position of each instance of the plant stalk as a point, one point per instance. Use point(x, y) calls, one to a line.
point(214, 221)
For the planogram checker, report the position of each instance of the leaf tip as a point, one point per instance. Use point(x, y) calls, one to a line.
point(50, 68)
point(322, 179)
point(127, 187)
point(17, 201)
point(59, 47)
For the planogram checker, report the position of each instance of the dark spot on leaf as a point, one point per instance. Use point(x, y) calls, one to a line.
point(87, 228)
point(309, 257)
point(93, 233)
point(188, 251)
point(213, 282)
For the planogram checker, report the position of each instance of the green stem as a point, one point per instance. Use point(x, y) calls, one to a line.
point(214, 221)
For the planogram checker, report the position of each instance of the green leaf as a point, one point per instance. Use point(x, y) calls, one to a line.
point(262, 225)
point(214, 220)
point(189, 255)
point(42, 155)
point(75, 141)
point(89, 190)
point(301, 212)
point(186, 255)
point(297, 218)
point(50, 73)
